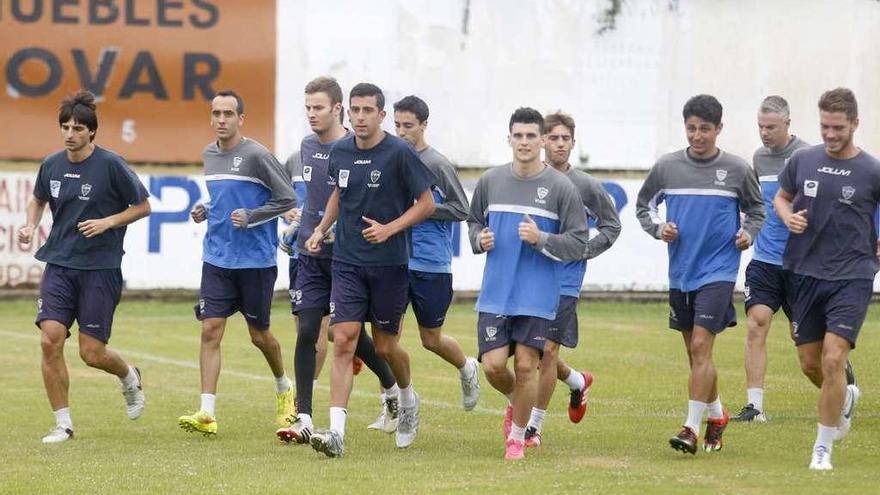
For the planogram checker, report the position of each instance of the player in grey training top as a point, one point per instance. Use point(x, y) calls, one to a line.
point(527, 217)
point(828, 196)
point(558, 144)
point(430, 263)
point(705, 190)
point(249, 190)
point(765, 287)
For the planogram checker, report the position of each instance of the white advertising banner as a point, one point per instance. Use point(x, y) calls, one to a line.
point(164, 251)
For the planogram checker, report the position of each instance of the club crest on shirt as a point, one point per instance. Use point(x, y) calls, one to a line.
point(85, 189)
point(847, 193)
point(343, 178)
point(236, 163)
point(374, 177)
point(307, 173)
point(542, 193)
point(54, 188)
point(720, 175)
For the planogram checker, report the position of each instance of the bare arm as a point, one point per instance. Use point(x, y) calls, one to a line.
point(795, 221)
point(97, 226)
point(35, 209)
point(331, 212)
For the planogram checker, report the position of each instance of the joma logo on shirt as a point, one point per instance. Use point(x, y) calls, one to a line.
point(834, 171)
point(363, 162)
point(322, 156)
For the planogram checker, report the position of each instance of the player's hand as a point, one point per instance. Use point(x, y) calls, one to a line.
point(239, 219)
point(669, 232)
point(743, 240)
point(528, 230)
point(198, 213)
point(796, 222)
point(376, 233)
point(292, 215)
point(313, 243)
point(26, 234)
point(94, 227)
point(487, 239)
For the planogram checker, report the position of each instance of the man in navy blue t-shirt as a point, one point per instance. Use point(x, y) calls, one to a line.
point(827, 198)
point(93, 195)
point(382, 189)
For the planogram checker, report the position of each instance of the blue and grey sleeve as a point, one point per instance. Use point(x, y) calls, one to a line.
point(477, 218)
point(570, 243)
point(650, 196)
point(272, 174)
point(454, 207)
point(751, 202)
point(602, 208)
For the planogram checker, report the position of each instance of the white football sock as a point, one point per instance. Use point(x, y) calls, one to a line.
point(756, 398)
point(282, 384)
point(517, 433)
point(131, 379)
point(62, 418)
point(407, 396)
point(536, 420)
point(208, 402)
point(716, 411)
point(825, 436)
point(695, 415)
point(337, 420)
point(575, 380)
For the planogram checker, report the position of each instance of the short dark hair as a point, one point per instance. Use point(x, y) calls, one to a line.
point(556, 118)
point(368, 89)
point(80, 107)
point(705, 107)
point(840, 100)
point(414, 105)
point(239, 103)
point(326, 85)
point(526, 115)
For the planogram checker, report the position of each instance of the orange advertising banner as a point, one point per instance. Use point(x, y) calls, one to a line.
point(153, 64)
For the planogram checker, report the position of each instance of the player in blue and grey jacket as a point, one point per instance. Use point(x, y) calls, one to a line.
point(249, 190)
point(766, 284)
point(705, 189)
point(559, 141)
point(527, 217)
point(430, 261)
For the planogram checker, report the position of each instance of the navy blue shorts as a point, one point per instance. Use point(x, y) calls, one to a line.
point(768, 285)
point(291, 276)
point(376, 294)
point(430, 294)
point(496, 331)
point(225, 291)
point(710, 306)
point(836, 306)
point(88, 296)
point(564, 329)
point(312, 284)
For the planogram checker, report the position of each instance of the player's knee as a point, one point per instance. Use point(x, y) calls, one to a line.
point(211, 334)
point(832, 364)
point(524, 369)
point(385, 350)
point(757, 329)
point(431, 340)
point(93, 357)
point(811, 367)
point(494, 370)
point(551, 353)
point(51, 346)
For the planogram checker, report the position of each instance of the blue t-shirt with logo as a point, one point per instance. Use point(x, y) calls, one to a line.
point(379, 183)
point(97, 187)
point(841, 197)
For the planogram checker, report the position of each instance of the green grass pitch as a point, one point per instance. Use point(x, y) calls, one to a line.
point(638, 401)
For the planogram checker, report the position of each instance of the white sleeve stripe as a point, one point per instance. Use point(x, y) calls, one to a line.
point(547, 254)
point(653, 209)
point(250, 225)
point(241, 178)
point(529, 210)
point(699, 192)
point(768, 178)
